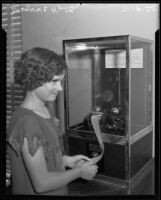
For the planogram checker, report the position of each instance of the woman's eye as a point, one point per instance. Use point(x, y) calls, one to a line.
point(54, 81)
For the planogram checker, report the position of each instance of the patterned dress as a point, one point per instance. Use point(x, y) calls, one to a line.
point(39, 131)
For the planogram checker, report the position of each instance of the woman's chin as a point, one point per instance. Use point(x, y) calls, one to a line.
point(52, 98)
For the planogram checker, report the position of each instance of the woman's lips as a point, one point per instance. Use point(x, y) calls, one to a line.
point(54, 93)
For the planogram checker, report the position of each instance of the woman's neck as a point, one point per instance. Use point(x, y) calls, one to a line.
point(36, 105)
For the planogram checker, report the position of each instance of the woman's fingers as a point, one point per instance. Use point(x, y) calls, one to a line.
point(80, 162)
point(82, 157)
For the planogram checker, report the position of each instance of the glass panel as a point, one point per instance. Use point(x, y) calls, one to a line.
point(141, 85)
point(79, 86)
point(96, 83)
point(113, 91)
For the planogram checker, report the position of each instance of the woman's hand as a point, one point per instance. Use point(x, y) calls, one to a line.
point(88, 170)
point(75, 161)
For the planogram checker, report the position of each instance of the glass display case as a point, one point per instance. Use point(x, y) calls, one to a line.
point(111, 76)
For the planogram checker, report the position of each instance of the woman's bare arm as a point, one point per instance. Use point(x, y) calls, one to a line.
point(45, 181)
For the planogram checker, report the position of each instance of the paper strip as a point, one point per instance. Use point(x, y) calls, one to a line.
point(95, 123)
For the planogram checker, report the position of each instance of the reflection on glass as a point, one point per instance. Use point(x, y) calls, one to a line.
point(141, 86)
point(107, 77)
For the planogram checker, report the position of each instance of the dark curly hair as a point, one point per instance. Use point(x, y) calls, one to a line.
point(38, 66)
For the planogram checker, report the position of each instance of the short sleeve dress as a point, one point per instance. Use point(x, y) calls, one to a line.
point(39, 131)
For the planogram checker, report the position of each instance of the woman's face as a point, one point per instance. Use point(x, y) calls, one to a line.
point(48, 91)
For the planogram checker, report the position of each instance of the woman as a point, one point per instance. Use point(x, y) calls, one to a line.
point(37, 161)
